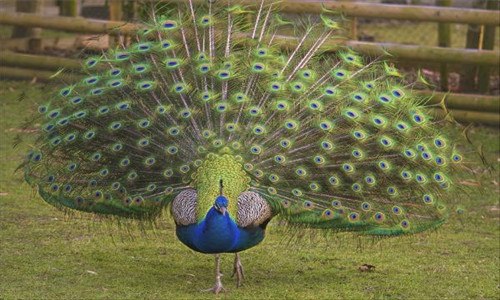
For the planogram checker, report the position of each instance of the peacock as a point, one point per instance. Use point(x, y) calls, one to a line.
point(213, 114)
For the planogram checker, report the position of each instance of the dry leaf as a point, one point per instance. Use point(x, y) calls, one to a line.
point(366, 268)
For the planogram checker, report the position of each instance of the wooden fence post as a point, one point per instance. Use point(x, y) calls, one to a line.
point(34, 34)
point(69, 8)
point(130, 10)
point(444, 40)
point(353, 25)
point(115, 14)
point(469, 72)
point(483, 74)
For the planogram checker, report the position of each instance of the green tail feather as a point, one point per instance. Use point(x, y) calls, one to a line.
point(333, 142)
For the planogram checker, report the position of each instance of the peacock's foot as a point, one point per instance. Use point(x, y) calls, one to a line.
point(238, 270)
point(216, 289)
point(218, 275)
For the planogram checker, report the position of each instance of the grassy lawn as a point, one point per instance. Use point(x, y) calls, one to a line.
point(45, 254)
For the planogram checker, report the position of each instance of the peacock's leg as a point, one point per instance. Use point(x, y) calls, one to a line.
point(218, 283)
point(238, 270)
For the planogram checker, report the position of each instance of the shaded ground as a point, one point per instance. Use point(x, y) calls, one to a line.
point(43, 254)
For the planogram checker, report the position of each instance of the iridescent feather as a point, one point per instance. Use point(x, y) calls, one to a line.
point(331, 141)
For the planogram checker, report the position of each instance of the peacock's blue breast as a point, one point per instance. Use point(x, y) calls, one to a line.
point(219, 233)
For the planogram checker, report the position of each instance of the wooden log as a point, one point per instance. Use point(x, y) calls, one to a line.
point(29, 74)
point(383, 11)
point(8, 58)
point(464, 116)
point(463, 101)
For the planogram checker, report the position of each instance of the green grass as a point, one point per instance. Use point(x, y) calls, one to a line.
point(43, 254)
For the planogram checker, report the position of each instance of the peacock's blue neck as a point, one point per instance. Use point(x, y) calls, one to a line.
point(218, 233)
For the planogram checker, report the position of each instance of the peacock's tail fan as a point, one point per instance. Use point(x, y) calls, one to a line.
point(331, 140)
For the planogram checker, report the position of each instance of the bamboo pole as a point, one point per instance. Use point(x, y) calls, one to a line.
point(383, 11)
point(8, 58)
point(464, 116)
point(483, 73)
point(463, 101)
point(444, 40)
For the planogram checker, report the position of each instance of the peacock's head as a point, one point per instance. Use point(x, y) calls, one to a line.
point(220, 204)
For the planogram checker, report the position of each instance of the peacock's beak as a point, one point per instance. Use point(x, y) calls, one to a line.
point(223, 211)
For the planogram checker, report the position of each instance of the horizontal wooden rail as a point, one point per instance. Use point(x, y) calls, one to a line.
point(69, 24)
point(8, 58)
point(465, 116)
point(413, 52)
point(29, 74)
point(427, 54)
point(464, 101)
point(406, 52)
point(384, 11)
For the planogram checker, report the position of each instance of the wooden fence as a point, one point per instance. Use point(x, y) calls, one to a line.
point(465, 107)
